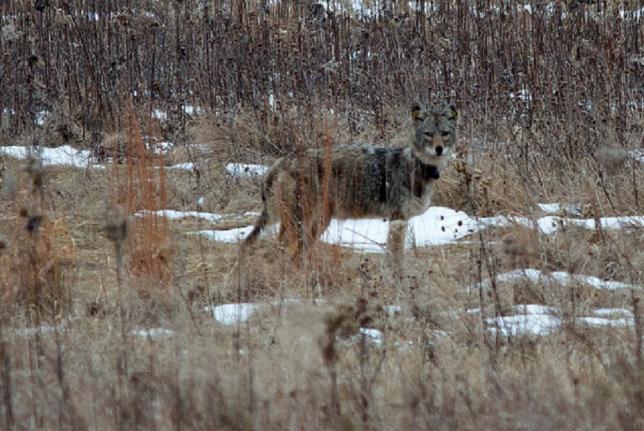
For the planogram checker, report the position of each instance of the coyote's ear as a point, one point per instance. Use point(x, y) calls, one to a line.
point(452, 113)
point(418, 114)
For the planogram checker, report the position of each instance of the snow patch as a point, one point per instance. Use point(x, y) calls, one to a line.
point(42, 329)
point(621, 312)
point(525, 324)
point(554, 208)
point(229, 314)
point(152, 332)
point(246, 169)
point(602, 321)
point(535, 319)
point(159, 114)
point(59, 156)
point(552, 224)
point(437, 226)
point(229, 236)
point(177, 215)
point(559, 277)
point(192, 110)
point(637, 155)
point(550, 208)
point(523, 95)
point(373, 336)
point(41, 117)
point(159, 148)
point(189, 166)
point(392, 310)
point(440, 226)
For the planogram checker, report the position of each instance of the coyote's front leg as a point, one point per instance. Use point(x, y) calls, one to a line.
point(396, 246)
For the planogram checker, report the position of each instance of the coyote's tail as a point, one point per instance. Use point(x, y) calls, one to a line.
point(260, 224)
point(264, 217)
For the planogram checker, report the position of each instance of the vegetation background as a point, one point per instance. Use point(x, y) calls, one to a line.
point(551, 102)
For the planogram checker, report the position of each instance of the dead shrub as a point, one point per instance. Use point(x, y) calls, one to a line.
point(140, 189)
point(38, 258)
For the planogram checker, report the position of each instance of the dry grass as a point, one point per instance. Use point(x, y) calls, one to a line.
point(305, 365)
point(80, 274)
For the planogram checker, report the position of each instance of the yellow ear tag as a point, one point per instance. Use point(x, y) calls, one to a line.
point(417, 113)
point(453, 112)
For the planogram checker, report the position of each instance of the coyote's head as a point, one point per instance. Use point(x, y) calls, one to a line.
point(435, 136)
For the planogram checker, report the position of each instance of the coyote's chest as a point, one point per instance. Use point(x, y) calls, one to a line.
point(415, 196)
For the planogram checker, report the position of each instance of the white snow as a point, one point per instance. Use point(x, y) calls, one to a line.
point(366, 9)
point(392, 310)
point(553, 208)
point(534, 309)
point(177, 215)
point(637, 155)
point(42, 329)
point(523, 95)
point(560, 277)
point(271, 101)
point(59, 156)
point(527, 319)
point(416, 6)
point(368, 235)
point(606, 222)
point(152, 332)
point(69, 156)
point(524, 324)
point(188, 166)
point(159, 114)
point(373, 335)
point(523, 309)
point(228, 236)
point(621, 312)
point(602, 321)
point(229, 314)
point(246, 169)
point(535, 319)
point(437, 226)
point(159, 148)
point(192, 110)
point(41, 117)
point(636, 13)
point(550, 208)
point(551, 224)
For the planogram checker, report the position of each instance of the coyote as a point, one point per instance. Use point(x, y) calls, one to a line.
point(358, 181)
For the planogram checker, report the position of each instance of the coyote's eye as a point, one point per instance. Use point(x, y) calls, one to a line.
point(444, 133)
point(428, 134)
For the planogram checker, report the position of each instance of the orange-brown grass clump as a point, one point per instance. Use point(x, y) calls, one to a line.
point(139, 190)
point(38, 257)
